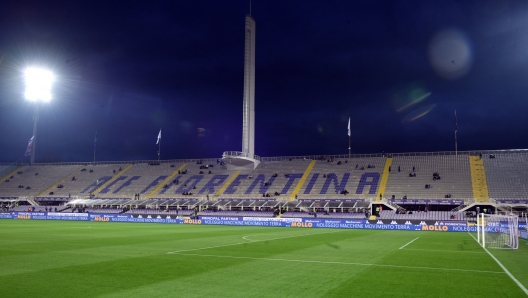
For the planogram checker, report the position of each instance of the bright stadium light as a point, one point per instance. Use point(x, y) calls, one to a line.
point(38, 84)
point(38, 88)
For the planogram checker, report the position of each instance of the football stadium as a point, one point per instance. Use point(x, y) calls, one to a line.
point(292, 226)
point(389, 224)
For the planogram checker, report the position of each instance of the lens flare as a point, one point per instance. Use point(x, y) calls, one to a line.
point(450, 54)
point(414, 101)
point(418, 113)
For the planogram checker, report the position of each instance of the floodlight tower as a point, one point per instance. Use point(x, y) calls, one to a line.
point(248, 125)
point(246, 159)
point(38, 88)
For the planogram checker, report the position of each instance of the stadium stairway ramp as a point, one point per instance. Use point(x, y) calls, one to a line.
point(157, 188)
point(32, 201)
point(111, 180)
point(384, 179)
point(478, 180)
point(227, 183)
point(301, 181)
point(62, 180)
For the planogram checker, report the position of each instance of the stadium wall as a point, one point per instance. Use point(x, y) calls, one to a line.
point(405, 225)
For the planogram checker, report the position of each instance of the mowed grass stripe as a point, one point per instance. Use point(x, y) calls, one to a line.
point(133, 240)
point(340, 263)
point(124, 260)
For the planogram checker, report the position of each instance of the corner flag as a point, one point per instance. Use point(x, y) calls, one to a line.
point(159, 137)
point(349, 126)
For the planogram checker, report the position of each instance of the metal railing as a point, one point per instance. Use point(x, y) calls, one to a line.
point(21, 162)
point(239, 154)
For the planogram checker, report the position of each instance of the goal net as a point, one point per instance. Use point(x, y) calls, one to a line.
point(497, 231)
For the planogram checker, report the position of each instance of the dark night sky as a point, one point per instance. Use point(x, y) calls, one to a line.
point(399, 69)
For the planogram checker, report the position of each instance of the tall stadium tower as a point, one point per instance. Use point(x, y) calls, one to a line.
point(248, 125)
point(247, 158)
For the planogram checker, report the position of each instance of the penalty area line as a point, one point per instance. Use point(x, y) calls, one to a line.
point(409, 242)
point(447, 251)
point(504, 268)
point(340, 263)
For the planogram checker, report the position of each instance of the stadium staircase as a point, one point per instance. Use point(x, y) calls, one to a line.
point(60, 181)
point(478, 180)
point(167, 180)
point(227, 183)
point(301, 181)
point(32, 201)
point(459, 208)
point(109, 182)
point(394, 206)
point(384, 179)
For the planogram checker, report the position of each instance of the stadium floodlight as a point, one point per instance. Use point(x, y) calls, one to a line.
point(38, 88)
point(38, 84)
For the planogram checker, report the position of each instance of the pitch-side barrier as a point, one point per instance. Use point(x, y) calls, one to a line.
point(379, 224)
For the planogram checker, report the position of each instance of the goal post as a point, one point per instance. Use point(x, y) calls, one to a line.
point(498, 231)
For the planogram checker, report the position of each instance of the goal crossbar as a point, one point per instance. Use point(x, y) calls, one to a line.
point(498, 231)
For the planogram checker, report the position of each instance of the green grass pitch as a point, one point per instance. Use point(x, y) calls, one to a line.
point(98, 259)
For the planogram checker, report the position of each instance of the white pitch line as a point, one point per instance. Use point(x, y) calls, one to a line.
point(341, 263)
point(409, 242)
point(504, 268)
point(448, 251)
point(239, 243)
point(247, 239)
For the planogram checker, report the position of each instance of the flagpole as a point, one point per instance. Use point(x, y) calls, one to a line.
point(349, 147)
point(95, 144)
point(456, 129)
point(159, 145)
point(34, 144)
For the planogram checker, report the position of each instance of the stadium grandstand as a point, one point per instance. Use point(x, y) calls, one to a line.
point(435, 186)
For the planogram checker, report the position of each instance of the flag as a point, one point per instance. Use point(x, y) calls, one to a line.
point(349, 126)
point(159, 137)
point(29, 147)
point(95, 140)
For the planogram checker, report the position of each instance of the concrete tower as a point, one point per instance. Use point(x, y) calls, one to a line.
point(248, 124)
point(246, 159)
